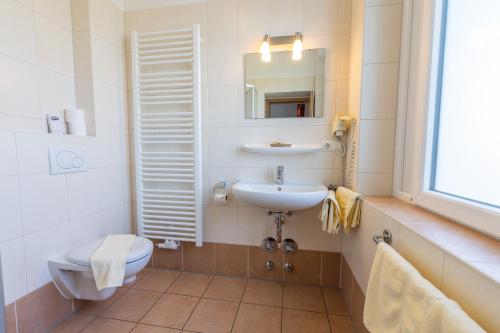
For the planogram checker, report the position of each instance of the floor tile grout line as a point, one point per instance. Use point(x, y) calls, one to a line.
point(326, 309)
point(191, 313)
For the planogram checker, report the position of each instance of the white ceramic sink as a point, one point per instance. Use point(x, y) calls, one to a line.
point(284, 197)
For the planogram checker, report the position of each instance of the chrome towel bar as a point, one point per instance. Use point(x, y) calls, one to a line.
point(385, 237)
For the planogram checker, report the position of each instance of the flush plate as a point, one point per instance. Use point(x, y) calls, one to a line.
point(67, 160)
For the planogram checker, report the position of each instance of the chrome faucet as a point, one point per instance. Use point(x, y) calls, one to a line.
point(279, 175)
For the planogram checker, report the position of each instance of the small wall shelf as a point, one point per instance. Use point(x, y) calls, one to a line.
point(293, 149)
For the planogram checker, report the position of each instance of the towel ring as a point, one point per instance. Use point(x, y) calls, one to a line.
point(385, 237)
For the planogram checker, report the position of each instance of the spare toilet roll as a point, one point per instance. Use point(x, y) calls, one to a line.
point(74, 115)
point(79, 129)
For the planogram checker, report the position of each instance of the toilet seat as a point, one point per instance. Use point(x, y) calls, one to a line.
point(80, 255)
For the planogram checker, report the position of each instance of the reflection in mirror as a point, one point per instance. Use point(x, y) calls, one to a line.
point(285, 88)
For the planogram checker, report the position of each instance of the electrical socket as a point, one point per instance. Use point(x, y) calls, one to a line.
point(330, 145)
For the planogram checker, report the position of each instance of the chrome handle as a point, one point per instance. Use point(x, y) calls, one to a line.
point(385, 237)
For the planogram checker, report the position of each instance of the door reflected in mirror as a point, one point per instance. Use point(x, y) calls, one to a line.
point(285, 88)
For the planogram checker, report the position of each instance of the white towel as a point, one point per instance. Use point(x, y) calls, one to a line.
point(109, 260)
point(330, 214)
point(399, 299)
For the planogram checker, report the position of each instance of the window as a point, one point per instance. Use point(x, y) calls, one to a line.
point(448, 141)
point(466, 156)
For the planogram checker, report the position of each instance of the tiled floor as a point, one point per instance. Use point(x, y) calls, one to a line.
point(163, 301)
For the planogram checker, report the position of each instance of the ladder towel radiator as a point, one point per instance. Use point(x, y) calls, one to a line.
point(167, 130)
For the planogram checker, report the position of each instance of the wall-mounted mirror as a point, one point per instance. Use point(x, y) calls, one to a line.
point(285, 88)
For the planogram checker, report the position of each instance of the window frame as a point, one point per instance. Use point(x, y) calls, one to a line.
point(421, 65)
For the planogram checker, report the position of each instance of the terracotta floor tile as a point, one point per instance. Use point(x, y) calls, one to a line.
point(171, 311)
point(341, 324)
point(263, 293)
point(95, 308)
point(74, 324)
point(133, 305)
point(157, 280)
point(212, 316)
point(190, 284)
point(334, 302)
point(295, 321)
point(141, 328)
point(142, 274)
point(226, 288)
point(303, 298)
point(104, 325)
point(257, 318)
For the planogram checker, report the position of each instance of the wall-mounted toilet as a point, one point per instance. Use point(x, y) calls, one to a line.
point(73, 276)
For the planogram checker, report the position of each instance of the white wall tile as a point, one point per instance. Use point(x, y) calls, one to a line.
point(139, 21)
point(80, 15)
point(195, 13)
point(222, 24)
point(165, 18)
point(220, 224)
point(223, 143)
point(422, 254)
point(33, 151)
point(8, 153)
point(83, 193)
point(285, 17)
point(252, 225)
point(57, 92)
point(222, 64)
point(376, 147)
point(82, 54)
point(13, 100)
point(475, 293)
point(117, 220)
point(310, 235)
point(17, 37)
point(103, 19)
point(222, 106)
point(58, 11)
point(379, 91)
point(44, 201)
point(85, 229)
point(54, 46)
point(112, 187)
point(13, 269)
point(253, 19)
point(104, 62)
point(375, 183)
point(40, 246)
point(320, 17)
point(10, 208)
point(382, 34)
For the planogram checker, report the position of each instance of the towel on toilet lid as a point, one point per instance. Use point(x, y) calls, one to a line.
point(109, 260)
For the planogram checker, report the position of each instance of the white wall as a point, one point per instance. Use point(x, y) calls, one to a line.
point(42, 214)
point(231, 28)
point(374, 91)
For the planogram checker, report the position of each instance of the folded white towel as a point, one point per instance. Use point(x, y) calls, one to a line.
point(399, 299)
point(109, 260)
point(330, 214)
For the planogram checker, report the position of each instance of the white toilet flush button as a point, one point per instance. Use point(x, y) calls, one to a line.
point(66, 160)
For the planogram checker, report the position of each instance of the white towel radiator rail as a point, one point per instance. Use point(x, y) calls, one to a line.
point(167, 130)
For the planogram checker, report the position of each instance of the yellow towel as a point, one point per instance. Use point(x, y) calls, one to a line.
point(350, 208)
point(399, 299)
point(109, 260)
point(330, 214)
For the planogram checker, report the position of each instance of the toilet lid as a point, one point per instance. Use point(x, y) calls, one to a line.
point(81, 254)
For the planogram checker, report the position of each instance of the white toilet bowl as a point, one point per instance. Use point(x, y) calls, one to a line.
point(73, 276)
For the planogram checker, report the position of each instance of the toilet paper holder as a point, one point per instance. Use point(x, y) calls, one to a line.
point(220, 185)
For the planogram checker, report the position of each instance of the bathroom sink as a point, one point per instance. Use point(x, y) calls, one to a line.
point(280, 197)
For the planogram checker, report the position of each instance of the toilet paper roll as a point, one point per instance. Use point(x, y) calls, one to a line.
point(74, 115)
point(220, 198)
point(79, 129)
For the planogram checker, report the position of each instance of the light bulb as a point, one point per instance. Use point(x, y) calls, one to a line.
point(266, 57)
point(265, 49)
point(297, 47)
